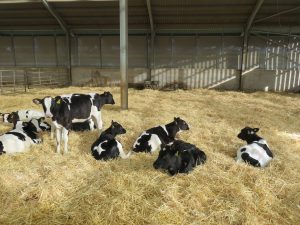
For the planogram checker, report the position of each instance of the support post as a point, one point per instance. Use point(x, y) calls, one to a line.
point(69, 61)
point(245, 41)
point(124, 52)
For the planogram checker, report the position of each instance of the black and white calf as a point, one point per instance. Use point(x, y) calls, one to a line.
point(20, 138)
point(106, 146)
point(39, 124)
point(180, 157)
point(151, 139)
point(256, 152)
point(67, 109)
point(24, 115)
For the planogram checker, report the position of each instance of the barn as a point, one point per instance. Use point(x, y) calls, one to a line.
point(221, 65)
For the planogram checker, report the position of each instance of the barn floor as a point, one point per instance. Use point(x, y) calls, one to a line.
point(42, 187)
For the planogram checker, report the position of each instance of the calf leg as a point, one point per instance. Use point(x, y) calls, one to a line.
point(65, 138)
point(52, 131)
point(122, 153)
point(58, 137)
point(96, 117)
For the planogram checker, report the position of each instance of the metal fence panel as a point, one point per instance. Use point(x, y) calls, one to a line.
point(6, 51)
point(163, 52)
point(137, 51)
point(45, 51)
point(88, 51)
point(184, 51)
point(110, 46)
point(24, 51)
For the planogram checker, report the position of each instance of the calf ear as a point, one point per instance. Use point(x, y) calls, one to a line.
point(255, 129)
point(37, 101)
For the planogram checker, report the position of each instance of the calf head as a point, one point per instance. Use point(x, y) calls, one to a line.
point(168, 160)
point(248, 134)
point(50, 105)
point(13, 118)
point(117, 128)
point(108, 98)
point(181, 124)
point(4, 117)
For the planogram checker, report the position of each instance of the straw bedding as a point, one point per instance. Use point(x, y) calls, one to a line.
point(42, 187)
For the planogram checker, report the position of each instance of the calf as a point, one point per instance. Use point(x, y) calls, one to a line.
point(20, 138)
point(4, 117)
point(26, 115)
point(106, 146)
point(257, 152)
point(180, 157)
point(67, 109)
point(151, 139)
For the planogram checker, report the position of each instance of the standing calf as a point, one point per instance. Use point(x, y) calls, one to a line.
point(67, 109)
point(256, 152)
point(107, 147)
point(151, 139)
point(180, 157)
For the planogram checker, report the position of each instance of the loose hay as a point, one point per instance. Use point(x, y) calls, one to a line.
point(42, 187)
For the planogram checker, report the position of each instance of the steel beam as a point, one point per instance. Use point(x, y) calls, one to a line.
point(124, 52)
point(64, 26)
point(60, 21)
point(150, 15)
point(245, 40)
point(152, 38)
point(277, 14)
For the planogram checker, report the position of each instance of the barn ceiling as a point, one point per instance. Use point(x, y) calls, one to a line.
point(176, 16)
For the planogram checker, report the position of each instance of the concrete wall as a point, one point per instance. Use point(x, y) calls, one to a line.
point(190, 78)
point(272, 80)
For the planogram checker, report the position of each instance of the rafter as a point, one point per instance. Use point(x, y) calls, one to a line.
point(58, 18)
point(277, 14)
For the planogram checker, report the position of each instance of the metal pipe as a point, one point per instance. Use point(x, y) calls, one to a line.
point(69, 60)
point(124, 52)
point(277, 14)
point(245, 41)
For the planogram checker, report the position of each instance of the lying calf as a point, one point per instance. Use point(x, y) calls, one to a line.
point(256, 152)
point(107, 147)
point(151, 139)
point(180, 157)
point(26, 115)
point(20, 138)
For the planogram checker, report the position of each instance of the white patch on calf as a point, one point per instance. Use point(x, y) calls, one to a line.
point(47, 103)
point(27, 115)
point(79, 120)
point(256, 152)
point(154, 142)
point(36, 124)
point(121, 151)
point(165, 129)
point(99, 149)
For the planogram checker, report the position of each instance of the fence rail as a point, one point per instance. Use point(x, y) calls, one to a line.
point(22, 79)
